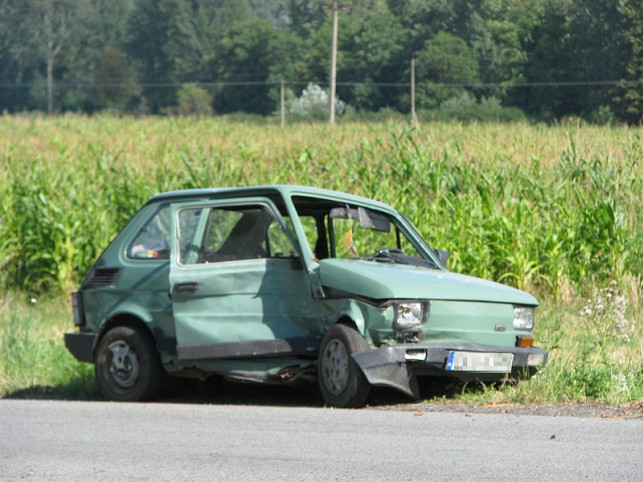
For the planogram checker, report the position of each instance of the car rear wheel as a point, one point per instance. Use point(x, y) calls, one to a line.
point(127, 365)
point(341, 381)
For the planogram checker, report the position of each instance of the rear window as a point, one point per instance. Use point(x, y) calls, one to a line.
point(152, 241)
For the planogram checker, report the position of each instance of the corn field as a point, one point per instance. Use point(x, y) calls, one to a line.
point(555, 210)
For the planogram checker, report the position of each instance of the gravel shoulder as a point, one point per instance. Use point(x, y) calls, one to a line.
point(632, 410)
point(189, 392)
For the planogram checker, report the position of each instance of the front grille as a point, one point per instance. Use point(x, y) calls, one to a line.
point(102, 277)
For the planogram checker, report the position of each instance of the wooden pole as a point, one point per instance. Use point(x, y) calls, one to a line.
point(333, 65)
point(283, 104)
point(414, 118)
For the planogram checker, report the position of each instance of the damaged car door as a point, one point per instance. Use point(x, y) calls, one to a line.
point(237, 285)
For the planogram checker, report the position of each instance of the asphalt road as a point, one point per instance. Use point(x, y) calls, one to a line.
point(63, 440)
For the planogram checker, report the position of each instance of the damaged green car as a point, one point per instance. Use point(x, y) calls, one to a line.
point(287, 284)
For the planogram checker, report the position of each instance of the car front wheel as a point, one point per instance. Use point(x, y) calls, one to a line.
point(341, 381)
point(127, 365)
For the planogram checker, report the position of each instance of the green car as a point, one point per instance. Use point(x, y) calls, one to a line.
point(286, 285)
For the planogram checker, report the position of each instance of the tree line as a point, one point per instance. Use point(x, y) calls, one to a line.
point(549, 59)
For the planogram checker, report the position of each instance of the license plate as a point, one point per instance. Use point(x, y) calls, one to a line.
point(467, 361)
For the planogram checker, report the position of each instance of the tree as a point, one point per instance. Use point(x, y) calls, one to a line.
point(17, 54)
point(599, 51)
point(629, 97)
point(371, 52)
point(444, 68)
point(174, 41)
point(575, 53)
point(114, 79)
point(243, 60)
point(58, 17)
point(424, 19)
point(194, 101)
point(152, 25)
point(499, 32)
point(42, 33)
point(306, 17)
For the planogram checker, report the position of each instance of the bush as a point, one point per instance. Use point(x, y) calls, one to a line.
point(603, 116)
point(194, 101)
point(465, 108)
point(313, 104)
point(386, 114)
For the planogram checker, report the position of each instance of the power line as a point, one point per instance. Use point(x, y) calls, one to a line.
point(235, 83)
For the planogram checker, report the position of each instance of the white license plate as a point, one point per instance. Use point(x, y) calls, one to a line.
point(468, 361)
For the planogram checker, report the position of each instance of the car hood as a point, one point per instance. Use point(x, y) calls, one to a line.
point(383, 281)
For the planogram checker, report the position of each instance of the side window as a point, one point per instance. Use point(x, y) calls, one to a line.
point(189, 237)
point(234, 233)
point(152, 241)
point(279, 245)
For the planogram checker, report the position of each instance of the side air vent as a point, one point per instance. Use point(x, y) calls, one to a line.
point(102, 277)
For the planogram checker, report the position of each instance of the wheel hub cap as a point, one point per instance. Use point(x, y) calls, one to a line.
point(124, 367)
point(335, 367)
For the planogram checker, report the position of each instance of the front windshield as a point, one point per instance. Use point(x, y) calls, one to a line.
point(337, 230)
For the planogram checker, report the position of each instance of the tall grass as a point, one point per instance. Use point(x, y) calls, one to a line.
point(554, 210)
point(33, 361)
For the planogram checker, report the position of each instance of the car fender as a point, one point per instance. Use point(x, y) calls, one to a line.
point(356, 312)
point(127, 313)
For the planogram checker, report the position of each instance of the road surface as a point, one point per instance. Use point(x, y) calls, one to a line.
point(68, 440)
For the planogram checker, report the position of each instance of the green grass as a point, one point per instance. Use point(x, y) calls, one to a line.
point(589, 357)
point(555, 210)
point(33, 359)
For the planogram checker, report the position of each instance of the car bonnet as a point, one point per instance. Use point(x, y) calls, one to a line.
point(383, 281)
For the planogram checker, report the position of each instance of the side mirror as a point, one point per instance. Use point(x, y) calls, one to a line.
point(443, 256)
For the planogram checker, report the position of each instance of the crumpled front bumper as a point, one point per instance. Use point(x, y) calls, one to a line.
point(397, 366)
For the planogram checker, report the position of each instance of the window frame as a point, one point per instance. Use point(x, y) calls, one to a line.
point(204, 223)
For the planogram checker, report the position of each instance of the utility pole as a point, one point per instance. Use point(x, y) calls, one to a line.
point(333, 64)
point(414, 118)
point(282, 97)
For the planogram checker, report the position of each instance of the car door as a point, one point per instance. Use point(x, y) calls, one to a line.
point(237, 285)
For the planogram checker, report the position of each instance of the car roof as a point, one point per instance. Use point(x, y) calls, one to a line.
point(283, 190)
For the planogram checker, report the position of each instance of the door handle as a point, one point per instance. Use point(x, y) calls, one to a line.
point(186, 287)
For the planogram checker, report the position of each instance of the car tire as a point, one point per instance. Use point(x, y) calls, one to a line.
point(127, 365)
point(341, 381)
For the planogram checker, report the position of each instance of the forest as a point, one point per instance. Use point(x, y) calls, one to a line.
point(545, 60)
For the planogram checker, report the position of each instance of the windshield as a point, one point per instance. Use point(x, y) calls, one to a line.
point(338, 230)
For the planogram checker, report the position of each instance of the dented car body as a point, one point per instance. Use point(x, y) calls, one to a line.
point(287, 284)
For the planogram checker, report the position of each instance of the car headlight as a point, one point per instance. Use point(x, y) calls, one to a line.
point(409, 315)
point(523, 318)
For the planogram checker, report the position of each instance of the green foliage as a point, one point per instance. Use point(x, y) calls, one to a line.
point(466, 109)
point(114, 80)
point(246, 55)
point(371, 48)
point(445, 60)
point(194, 101)
point(575, 40)
point(550, 58)
point(629, 96)
point(33, 359)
